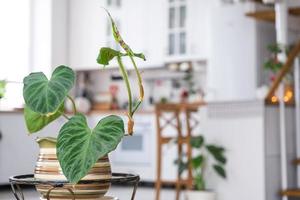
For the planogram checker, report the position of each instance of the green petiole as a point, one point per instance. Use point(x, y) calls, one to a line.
point(126, 79)
point(73, 104)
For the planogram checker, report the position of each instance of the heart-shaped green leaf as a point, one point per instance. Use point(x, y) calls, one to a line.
point(79, 147)
point(45, 96)
point(106, 54)
point(36, 121)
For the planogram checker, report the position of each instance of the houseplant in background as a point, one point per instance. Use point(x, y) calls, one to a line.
point(79, 152)
point(273, 65)
point(206, 155)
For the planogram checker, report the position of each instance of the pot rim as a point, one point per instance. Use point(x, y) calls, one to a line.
point(202, 191)
point(49, 139)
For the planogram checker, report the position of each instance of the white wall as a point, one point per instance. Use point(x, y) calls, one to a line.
point(239, 128)
point(232, 60)
point(60, 30)
point(41, 41)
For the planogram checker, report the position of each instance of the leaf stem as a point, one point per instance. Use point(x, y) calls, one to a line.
point(136, 107)
point(125, 77)
point(73, 103)
point(139, 79)
point(16, 82)
point(65, 116)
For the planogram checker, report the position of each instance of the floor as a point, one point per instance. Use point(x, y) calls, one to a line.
point(142, 193)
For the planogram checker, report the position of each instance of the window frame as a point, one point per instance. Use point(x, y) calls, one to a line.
point(177, 27)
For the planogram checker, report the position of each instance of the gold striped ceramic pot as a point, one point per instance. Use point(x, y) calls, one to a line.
point(48, 168)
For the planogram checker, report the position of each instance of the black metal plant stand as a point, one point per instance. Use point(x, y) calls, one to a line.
point(17, 181)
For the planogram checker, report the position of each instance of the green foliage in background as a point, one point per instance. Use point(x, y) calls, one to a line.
point(2, 88)
point(78, 146)
point(273, 64)
point(199, 163)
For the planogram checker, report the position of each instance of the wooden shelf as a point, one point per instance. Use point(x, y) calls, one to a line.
point(269, 15)
point(291, 193)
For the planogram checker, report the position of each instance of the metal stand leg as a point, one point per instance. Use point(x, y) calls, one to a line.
point(54, 188)
point(135, 188)
point(17, 193)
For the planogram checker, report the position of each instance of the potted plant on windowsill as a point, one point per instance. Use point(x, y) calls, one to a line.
point(208, 155)
point(79, 152)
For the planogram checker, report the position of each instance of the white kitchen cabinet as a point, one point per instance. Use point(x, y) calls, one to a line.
point(188, 30)
point(87, 28)
point(18, 150)
point(89, 31)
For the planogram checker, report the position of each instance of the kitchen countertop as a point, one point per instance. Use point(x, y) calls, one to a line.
point(92, 112)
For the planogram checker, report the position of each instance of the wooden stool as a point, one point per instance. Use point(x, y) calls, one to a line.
point(175, 110)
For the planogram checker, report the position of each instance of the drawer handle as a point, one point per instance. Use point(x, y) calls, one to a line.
point(1, 136)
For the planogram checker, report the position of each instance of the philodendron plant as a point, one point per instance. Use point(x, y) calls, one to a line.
point(200, 162)
point(78, 146)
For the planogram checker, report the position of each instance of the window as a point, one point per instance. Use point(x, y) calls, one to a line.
point(177, 27)
point(182, 39)
point(171, 43)
point(114, 3)
point(14, 48)
point(171, 17)
point(182, 14)
point(118, 3)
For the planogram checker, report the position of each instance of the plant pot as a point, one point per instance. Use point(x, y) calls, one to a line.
point(48, 169)
point(200, 195)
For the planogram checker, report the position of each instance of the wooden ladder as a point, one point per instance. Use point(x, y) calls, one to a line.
point(162, 123)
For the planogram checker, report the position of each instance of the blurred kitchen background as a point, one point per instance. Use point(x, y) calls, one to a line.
point(211, 53)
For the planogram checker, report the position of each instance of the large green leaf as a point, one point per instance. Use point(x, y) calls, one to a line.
point(79, 147)
point(45, 96)
point(36, 121)
point(106, 54)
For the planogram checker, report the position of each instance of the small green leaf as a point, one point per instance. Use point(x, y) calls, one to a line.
point(275, 48)
point(217, 153)
point(197, 142)
point(182, 166)
point(45, 96)
point(118, 38)
point(220, 170)
point(79, 147)
point(197, 161)
point(106, 54)
point(2, 88)
point(36, 121)
point(140, 55)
